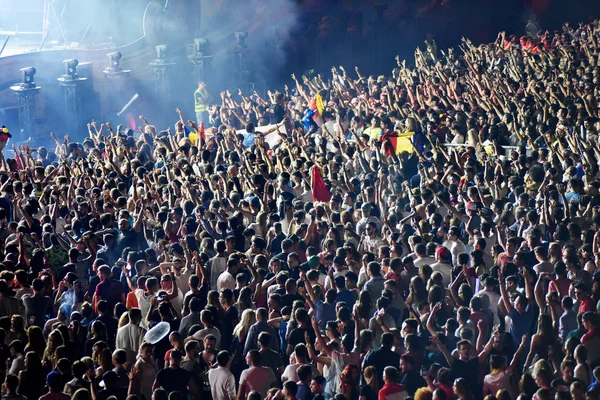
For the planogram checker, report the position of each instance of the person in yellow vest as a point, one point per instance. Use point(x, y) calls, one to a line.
point(201, 98)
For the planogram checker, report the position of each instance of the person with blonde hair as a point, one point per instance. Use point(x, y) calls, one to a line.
point(240, 333)
point(124, 320)
point(423, 393)
point(241, 329)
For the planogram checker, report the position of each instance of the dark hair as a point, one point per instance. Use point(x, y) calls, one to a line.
point(223, 358)
point(255, 357)
point(291, 387)
point(391, 373)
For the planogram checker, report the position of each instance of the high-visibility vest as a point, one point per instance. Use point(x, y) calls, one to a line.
point(200, 107)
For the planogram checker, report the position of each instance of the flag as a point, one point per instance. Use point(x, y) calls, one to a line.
point(317, 106)
point(319, 103)
point(202, 132)
point(308, 120)
point(193, 136)
point(400, 142)
point(319, 189)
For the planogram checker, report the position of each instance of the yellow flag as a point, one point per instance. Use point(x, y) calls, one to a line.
point(319, 103)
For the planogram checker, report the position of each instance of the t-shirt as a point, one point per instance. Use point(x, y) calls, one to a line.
point(230, 320)
point(297, 336)
point(110, 290)
point(347, 296)
point(260, 379)
point(271, 359)
point(225, 281)
point(288, 299)
point(291, 372)
point(393, 391)
point(469, 370)
point(324, 312)
point(368, 393)
point(501, 380)
point(35, 308)
point(521, 323)
point(173, 380)
point(201, 334)
point(586, 304)
point(412, 380)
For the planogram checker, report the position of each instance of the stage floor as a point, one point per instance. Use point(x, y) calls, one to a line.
point(19, 46)
point(16, 46)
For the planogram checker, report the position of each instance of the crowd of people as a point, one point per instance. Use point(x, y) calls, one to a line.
point(433, 234)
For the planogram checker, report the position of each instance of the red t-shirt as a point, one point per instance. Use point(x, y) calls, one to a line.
point(504, 258)
point(586, 304)
point(593, 333)
point(110, 290)
point(396, 278)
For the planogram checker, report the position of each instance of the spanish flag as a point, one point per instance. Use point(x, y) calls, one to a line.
point(400, 142)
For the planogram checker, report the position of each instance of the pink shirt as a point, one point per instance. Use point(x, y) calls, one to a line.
point(260, 379)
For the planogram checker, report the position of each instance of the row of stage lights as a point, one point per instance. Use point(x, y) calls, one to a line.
point(201, 50)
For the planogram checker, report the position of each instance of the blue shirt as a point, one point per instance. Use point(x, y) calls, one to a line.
point(303, 392)
point(347, 296)
point(324, 312)
point(521, 323)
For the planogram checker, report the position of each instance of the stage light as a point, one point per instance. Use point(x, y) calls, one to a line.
point(161, 51)
point(201, 46)
point(115, 61)
point(27, 77)
point(70, 68)
point(240, 38)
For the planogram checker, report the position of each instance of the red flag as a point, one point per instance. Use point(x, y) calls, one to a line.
point(319, 190)
point(202, 134)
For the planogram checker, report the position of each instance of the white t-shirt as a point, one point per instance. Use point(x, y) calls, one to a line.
point(455, 247)
point(445, 270)
point(225, 281)
point(291, 372)
point(144, 303)
point(216, 266)
point(424, 261)
point(177, 302)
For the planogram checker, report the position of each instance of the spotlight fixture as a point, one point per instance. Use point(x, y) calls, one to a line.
point(27, 77)
point(240, 38)
point(115, 61)
point(201, 46)
point(161, 52)
point(70, 68)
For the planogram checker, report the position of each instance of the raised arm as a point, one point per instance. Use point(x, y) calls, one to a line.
point(504, 292)
point(517, 356)
point(449, 357)
point(431, 319)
